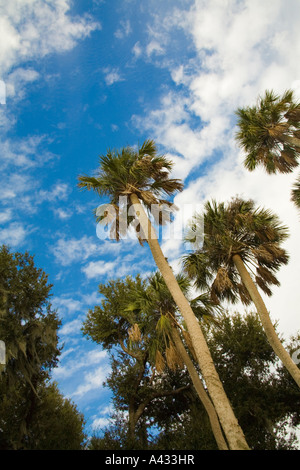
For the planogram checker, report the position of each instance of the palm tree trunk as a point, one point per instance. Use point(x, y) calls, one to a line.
point(231, 427)
point(213, 417)
point(266, 321)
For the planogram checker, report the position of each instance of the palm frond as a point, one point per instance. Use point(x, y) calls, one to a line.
point(296, 192)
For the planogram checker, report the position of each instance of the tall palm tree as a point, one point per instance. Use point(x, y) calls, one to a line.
point(270, 133)
point(143, 177)
point(242, 250)
point(157, 304)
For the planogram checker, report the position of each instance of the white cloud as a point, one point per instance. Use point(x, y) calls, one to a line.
point(79, 359)
point(112, 75)
point(99, 423)
point(59, 191)
point(96, 269)
point(24, 153)
point(154, 47)
point(67, 305)
point(13, 235)
point(68, 251)
point(17, 81)
point(62, 214)
point(70, 328)
point(124, 30)
point(91, 381)
point(5, 216)
point(137, 50)
point(31, 29)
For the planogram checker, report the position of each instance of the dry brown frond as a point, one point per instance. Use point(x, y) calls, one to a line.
point(134, 333)
point(267, 275)
point(276, 251)
point(277, 130)
point(289, 157)
point(296, 134)
point(293, 114)
point(284, 167)
point(222, 281)
point(173, 358)
point(262, 254)
point(159, 362)
point(261, 283)
point(148, 197)
point(244, 294)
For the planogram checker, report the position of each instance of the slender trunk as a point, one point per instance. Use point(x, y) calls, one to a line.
point(213, 417)
point(266, 321)
point(233, 431)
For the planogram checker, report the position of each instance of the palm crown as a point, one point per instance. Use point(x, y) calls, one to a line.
point(237, 229)
point(269, 133)
point(154, 302)
point(129, 171)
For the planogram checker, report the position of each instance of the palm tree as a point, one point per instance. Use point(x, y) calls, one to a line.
point(142, 177)
point(269, 133)
point(296, 192)
point(242, 243)
point(155, 301)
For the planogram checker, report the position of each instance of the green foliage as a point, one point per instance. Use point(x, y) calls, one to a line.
point(135, 331)
point(33, 414)
point(264, 397)
point(28, 326)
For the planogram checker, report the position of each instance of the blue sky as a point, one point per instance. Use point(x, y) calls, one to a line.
point(84, 76)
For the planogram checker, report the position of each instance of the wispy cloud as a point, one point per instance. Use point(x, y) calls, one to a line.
point(67, 304)
point(112, 75)
point(25, 153)
point(97, 269)
point(70, 250)
point(124, 30)
point(58, 192)
point(91, 381)
point(70, 328)
point(5, 215)
point(62, 213)
point(80, 359)
point(13, 235)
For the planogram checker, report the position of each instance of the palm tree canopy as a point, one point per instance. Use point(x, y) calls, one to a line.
point(296, 192)
point(153, 304)
point(140, 171)
point(269, 132)
point(237, 228)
